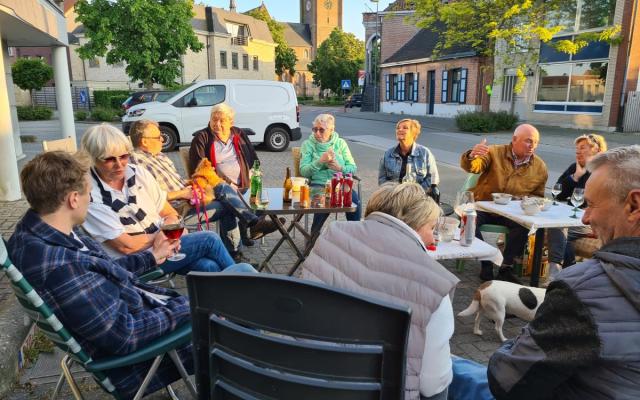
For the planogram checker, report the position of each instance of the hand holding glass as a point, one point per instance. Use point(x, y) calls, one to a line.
point(173, 230)
point(557, 189)
point(577, 198)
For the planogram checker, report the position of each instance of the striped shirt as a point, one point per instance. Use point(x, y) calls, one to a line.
point(162, 168)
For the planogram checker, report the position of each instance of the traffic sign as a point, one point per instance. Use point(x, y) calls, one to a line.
point(346, 84)
point(83, 96)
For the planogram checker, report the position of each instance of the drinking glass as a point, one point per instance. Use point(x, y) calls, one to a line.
point(173, 230)
point(464, 201)
point(555, 191)
point(577, 198)
point(264, 199)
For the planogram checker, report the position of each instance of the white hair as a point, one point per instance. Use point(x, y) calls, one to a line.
point(325, 119)
point(624, 169)
point(223, 108)
point(105, 140)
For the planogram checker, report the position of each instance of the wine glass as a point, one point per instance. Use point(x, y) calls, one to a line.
point(577, 198)
point(173, 230)
point(555, 191)
point(264, 199)
point(464, 202)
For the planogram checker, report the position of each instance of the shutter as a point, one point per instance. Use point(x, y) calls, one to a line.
point(400, 96)
point(445, 86)
point(415, 86)
point(386, 82)
point(463, 86)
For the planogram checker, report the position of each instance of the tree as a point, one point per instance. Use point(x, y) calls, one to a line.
point(339, 57)
point(516, 26)
point(150, 36)
point(31, 74)
point(285, 56)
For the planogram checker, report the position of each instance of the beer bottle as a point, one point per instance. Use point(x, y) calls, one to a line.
point(287, 186)
point(256, 182)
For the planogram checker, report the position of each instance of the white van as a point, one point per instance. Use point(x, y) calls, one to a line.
point(269, 108)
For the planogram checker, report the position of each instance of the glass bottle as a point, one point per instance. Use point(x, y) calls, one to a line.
point(409, 176)
point(256, 181)
point(287, 186)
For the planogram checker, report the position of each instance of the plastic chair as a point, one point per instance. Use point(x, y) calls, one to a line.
point(259, 336)
point(470, 183)
point(53, 328)
point(67, 144)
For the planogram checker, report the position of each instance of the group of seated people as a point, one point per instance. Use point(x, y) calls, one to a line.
point(582, 343)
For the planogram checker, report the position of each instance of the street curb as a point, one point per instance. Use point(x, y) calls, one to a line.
point(12, 334)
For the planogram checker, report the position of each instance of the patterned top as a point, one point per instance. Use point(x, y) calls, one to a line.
point(162, 168)
point(103, 304)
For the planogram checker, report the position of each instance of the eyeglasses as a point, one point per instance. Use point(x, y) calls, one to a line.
point(160, 138)
point(589, 138)
point(112, 159)
point(321, 130)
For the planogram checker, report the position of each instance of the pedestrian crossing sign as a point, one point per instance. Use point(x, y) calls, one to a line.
point(346, 84)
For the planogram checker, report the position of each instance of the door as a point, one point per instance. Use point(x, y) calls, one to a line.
point(196, 109)
point(431, 78)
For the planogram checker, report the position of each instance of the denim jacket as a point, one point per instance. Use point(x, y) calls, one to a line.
point(421, 160)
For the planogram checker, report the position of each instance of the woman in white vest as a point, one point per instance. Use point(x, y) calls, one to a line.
point(385, 256)
point(127, 206)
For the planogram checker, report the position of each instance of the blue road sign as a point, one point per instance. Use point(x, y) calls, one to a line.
point(83, 96)
point(346, 84)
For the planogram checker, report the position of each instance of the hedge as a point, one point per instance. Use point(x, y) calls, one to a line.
point(102, 98)
point(485, 121)
point(80, 115)
point(36, 113)
point(104, 114)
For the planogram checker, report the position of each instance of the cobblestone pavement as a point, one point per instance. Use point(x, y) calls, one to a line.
point(464, 343)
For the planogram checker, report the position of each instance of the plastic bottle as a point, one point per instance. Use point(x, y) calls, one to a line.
point(335, 185)
point(347, 191)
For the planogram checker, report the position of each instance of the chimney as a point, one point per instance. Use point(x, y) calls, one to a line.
point(209, 16)
point(232, 6)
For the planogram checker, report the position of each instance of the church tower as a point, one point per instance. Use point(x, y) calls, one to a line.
point(322, 16)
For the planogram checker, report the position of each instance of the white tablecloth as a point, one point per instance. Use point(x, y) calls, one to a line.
point(557, 216)
point(479, 250)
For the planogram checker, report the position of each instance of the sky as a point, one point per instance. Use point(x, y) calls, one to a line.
point(289, 10)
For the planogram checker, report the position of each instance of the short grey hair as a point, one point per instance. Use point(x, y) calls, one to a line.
point(224, 109)
point(624, 169)
point(104, 140)
point(325, 119)
point(406, 201)
point(138, 128)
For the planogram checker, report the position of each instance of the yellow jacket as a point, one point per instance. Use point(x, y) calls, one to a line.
point(498, 175)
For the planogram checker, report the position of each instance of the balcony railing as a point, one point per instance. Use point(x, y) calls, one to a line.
point(240, 40)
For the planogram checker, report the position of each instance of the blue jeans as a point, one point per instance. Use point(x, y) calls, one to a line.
point(229, 230)
point(205, 252)
point(561, 250)
point(319, 219)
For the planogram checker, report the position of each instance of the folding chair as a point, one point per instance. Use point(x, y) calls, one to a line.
point(259, 336)
point(67, 144)
point(52, 327)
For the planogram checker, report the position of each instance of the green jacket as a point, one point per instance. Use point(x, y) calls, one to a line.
point(317, 172)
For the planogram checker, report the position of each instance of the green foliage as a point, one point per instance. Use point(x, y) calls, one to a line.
point(80, 115)
point(339, 57)
point(150, 36)
point(104, 114)
point(40, 344)
point(515, 26)
point(37, 113)
point(31, 73)
point(103, 98)
point(485, 121)
point(285, 56)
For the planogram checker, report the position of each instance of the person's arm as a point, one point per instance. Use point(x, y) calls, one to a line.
point(475, 165)
point(562, 338)
point(567, 182)
point(539, 191)
point(382, 171)
point(433, 169)
point(308, 164)
point(349, 166)
point(436, 371)
point(182, 194)
point(198, 150)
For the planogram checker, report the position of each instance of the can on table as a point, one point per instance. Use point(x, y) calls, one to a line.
point(468, 227)
point(305, 196)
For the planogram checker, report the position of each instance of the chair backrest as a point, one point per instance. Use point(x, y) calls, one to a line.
point(66, 144)
point(184, 156)
point(259, 336)
point(45, 319)
point(295, 153)
point(470, 182)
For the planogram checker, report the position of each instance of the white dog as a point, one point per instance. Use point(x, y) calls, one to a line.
point(495, 299)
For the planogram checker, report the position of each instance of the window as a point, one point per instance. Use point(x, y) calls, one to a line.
point(223, 59)
point(94, 63)
point(245, 61)
point(234, 60)
point(306, 54)
point(578, 83)
point(454, 86)
point(12, 52)
point(204, 96)
point(411, 86)
point(579, 15)
point(508, 83)
point(239, 33)
point(255, 63)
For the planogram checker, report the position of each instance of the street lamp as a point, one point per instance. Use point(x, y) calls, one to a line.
point(374, 58)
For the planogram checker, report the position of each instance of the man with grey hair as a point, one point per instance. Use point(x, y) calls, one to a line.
point(583, 342)
point(512, 168)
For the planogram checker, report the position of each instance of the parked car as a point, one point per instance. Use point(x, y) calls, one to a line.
point(354, 100)
point(269, 108)
point(146, 97)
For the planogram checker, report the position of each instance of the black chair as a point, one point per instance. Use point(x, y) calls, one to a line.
point(274, 337)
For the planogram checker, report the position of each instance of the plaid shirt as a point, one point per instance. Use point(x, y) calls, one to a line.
point(162, 168)
point(98, 299)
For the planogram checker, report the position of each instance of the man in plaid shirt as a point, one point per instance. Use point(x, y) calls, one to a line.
point(97, 298)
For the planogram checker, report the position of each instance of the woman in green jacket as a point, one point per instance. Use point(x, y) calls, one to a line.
point(324, 154)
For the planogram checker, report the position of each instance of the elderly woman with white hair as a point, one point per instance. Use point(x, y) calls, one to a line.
point(385, 256)
point(322, 155)
point(127, 207)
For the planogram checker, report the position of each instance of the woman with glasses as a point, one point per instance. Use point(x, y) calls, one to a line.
point(561, 250)
point(322, 155)
point(128, 207)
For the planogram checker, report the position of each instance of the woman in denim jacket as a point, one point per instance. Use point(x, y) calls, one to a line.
point(393, 164)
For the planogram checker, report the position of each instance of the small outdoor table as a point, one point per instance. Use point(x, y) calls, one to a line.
point(277, 208)
point(479, 250)
point(557, 216)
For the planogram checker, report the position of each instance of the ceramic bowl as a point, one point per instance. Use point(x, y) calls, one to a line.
point(501, 198)
point(545, 204)
point(530, 206)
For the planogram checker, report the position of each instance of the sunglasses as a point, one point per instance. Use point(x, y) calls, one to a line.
point(321, 130)
point(591, 139)
point(113, 159)
point(160, 138)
